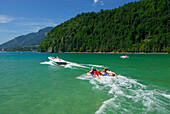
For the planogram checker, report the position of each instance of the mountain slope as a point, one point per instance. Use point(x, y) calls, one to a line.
point(141, 26)
point(30, 39)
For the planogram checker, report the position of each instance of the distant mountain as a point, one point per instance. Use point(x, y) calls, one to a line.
point(29, 40)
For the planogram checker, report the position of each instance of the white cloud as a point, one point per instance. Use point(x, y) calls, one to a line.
point(33, 25)
point(16, 26)
point(37, 22)
point(98, 2)
point(95, 1)
point(23, 25)
point(7, 31)
point(5, 19)
point(102, 3)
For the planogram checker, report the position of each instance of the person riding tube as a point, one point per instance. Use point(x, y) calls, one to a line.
point(94, 72)
point(105, 72)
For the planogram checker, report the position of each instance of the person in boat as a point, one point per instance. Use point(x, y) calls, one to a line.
point(94, 72)
point(57, 57)
point(105, 72)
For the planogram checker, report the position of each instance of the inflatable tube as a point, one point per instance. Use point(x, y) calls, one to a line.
point(102, 74)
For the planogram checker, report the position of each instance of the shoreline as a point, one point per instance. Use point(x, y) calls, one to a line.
point(97, 52)
point(115, 52)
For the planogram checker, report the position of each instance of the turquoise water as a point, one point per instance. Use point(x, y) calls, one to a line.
point(30, 84)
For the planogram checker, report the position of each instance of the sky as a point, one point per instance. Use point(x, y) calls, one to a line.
point(20, 17)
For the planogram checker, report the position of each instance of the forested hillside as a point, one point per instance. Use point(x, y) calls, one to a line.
point(141, 26)
point(26, 42)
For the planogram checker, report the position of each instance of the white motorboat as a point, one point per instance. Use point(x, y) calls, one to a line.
point(124, 56)
point(57, 61)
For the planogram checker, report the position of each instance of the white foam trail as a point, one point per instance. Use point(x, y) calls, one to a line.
point(70, 64)
point(85, 77)
point(105, 103)
point(100, 66)
point(47, 62)
point(128, 95)
point(167, 96)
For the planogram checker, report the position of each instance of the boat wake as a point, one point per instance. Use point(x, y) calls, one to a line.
point(73, 65)
point(47, 62)
point(99, 66)
point(128, 95)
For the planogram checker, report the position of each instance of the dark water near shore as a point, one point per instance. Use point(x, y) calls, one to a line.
point(29, 83)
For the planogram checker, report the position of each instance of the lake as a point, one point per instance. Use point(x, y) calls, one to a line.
point(30, 84)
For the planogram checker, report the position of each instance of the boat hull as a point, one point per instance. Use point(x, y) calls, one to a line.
point(57, 61)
